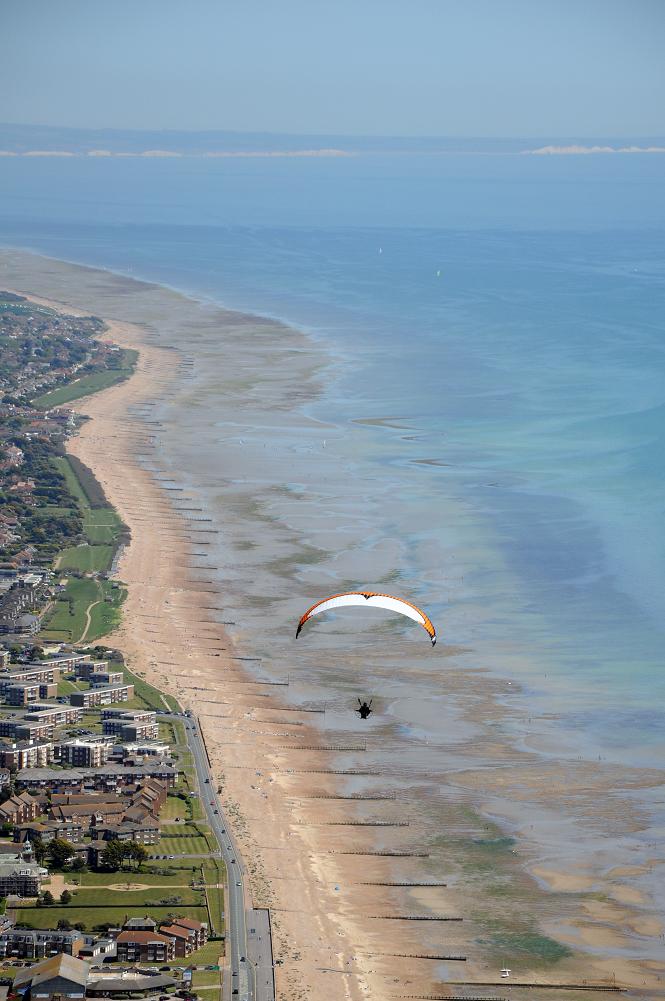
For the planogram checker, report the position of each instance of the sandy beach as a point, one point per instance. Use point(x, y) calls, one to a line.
point(325, 827)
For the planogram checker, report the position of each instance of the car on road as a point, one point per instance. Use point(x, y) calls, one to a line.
point(217, 812)
point(238, 883)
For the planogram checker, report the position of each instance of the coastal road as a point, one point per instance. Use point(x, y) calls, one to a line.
point(248, 935)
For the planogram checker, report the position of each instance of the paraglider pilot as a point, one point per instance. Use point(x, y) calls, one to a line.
point(365, 709)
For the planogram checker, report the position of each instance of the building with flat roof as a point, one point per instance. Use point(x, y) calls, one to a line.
point(104, 695)
point(107, 777)
point(59, 715)
point(24, 754)
point(21, 728)
point(24, 693)
point(130, 725)
point(105, 678)
point(22, 943)
point(86, 667)
point(133, 715)
point(38, 674)
point(84, 753)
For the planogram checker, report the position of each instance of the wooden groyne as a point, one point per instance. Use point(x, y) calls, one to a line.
point(354, 823)
point(404, 882)
point(358, 796)
point(383, 854)
point(322, 747)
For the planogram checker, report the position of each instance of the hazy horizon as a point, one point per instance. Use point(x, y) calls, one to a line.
point(433, 67)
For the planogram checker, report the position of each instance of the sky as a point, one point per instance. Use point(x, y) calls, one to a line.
point(366, 67)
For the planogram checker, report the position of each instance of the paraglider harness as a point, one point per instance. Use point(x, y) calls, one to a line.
point(365, 709)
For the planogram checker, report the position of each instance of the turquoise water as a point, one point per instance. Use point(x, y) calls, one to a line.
point(505, 313)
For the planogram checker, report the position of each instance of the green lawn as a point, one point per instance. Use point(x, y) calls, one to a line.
point(172, 832)
point(205, 978)
point(90, 917)
point(67, 687)
point(61, 463)
point(209, 954)
point(69, 616)
point(214, 871)
point(182, 878)
point(101, 896)
point(88, 384)
point(188, 865)
point(179, 830)
point(197, 808)
point(87, 558)
point(101, 525)
point(176, 808)
point(182, 846)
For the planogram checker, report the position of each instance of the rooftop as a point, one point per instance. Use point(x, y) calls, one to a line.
point(57, 966)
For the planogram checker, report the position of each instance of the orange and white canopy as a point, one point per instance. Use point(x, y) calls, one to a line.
point(370, 599)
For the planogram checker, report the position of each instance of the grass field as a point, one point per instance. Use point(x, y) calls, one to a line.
point(101, 896)
point(61, 463)
point(182, 846)
point(67, 687)
point(209, 954)
point(182, 878)
point(69, 620)
point(87, 558)
point(90, 383)
point(176, 808)
point(214, 871)
point(101, 525)
point(205, 978)
point(190, 867)
point(90, 917)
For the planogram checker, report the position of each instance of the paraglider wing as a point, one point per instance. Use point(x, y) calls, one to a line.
point(375, 600)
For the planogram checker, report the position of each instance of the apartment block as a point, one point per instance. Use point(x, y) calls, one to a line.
point(102, 696)
point(26, 692)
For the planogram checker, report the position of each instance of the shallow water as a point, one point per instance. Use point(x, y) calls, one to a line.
point(486, 439)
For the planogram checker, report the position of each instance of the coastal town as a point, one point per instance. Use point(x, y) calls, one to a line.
point(112, 882)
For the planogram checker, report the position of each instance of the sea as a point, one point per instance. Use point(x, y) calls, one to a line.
point(491, 413)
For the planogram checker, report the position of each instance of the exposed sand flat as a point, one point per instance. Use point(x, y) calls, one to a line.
point(311, 859)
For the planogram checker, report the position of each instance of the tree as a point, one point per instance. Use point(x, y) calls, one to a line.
point(59, 852)
point(78, 865)
point(65, 897)
point(39, 850)
point(48, 899)
point(64, 925)
point(137, 853)
point(113, 856)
